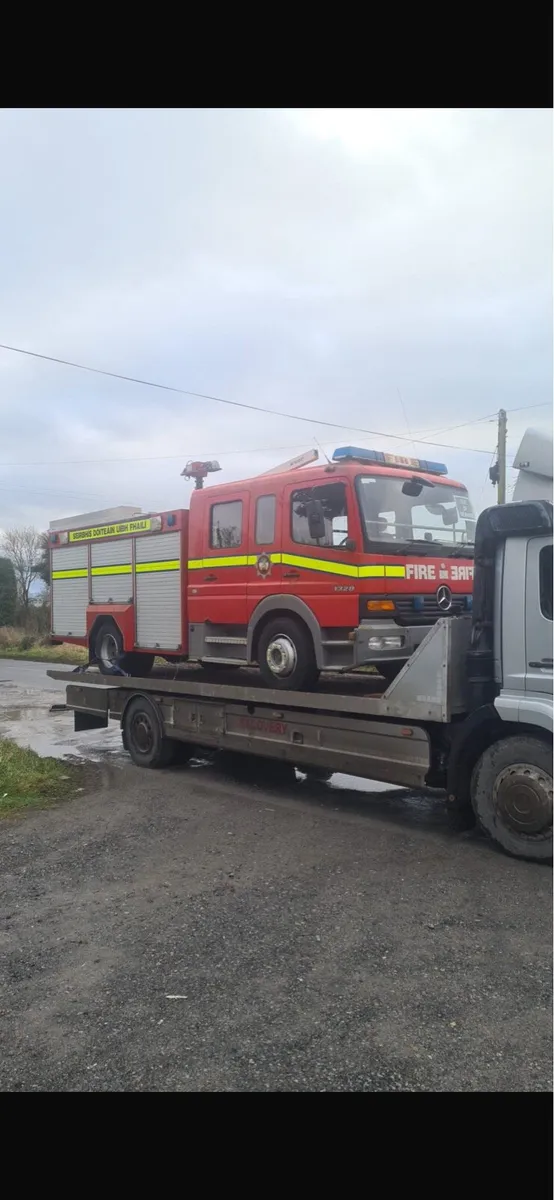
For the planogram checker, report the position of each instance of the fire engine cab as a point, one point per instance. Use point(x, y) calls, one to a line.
point(311, 567)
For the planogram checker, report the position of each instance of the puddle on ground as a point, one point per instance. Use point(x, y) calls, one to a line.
point(35, 720)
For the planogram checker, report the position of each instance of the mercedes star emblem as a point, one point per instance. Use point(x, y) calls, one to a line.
point(444, 598)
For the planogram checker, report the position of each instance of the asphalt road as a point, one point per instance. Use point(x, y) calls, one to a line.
point(30, 675)
point(193, 930)
point(26, 715)
point(211, 928)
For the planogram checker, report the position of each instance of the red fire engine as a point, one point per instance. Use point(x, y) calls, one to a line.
point(305, 569)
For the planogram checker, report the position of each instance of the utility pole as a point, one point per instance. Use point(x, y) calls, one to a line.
point(502, 431)
point(497, 473)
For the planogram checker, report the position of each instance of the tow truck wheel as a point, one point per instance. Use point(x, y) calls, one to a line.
point(143, 737)
point(511, 793)
point(286, 655)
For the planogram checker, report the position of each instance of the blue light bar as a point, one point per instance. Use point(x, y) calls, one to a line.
point(388, 460)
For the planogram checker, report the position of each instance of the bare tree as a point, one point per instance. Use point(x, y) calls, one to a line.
point(24, 549)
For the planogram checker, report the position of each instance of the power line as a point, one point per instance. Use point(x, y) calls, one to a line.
point(52, 492)
point(490, 417)
point(233, 403)
point(72, 462)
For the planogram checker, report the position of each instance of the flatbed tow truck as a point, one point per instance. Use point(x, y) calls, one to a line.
point(470, 712)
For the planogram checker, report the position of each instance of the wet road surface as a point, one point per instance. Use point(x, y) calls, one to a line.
point(27, 697)
point(232, 927)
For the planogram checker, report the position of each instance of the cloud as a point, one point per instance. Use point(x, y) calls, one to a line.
point(388, 268)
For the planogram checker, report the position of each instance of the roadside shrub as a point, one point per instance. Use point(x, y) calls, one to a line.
point(9, 636)
point(8, 592)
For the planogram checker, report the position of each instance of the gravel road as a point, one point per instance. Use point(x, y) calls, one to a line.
point(210, 929)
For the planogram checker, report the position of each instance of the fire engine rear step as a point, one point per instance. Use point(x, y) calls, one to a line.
point(227, 641)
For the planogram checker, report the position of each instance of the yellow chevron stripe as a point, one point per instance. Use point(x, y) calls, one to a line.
point(123, 569)
point(80, 573)
point(319, 564)
point(171, 565)
point(323, 565)
point(230, 560)
point(253, 558)
point(376, 572)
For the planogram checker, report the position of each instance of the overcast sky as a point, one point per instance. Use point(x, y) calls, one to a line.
point(387, 268)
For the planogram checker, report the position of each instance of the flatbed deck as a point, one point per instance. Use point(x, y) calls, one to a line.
point(426, 690)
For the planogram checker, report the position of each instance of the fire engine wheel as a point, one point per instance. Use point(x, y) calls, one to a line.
point(143, 737)
point(286, 655)
point(511, 793)
point(108, 650)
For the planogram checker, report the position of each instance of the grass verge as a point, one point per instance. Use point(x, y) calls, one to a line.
point(29, 781)
point(68, 654)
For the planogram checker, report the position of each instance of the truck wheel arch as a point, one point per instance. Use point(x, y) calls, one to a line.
point(470, 740)
point(512, 794)
point(278, 605)
point(162, 750)
point(101, 619)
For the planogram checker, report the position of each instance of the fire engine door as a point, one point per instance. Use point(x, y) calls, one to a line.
point(264, 550)
point(322, 571)
point(222, 580)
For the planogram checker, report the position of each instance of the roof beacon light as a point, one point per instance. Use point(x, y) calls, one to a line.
point(199, 470)
point(388, 460)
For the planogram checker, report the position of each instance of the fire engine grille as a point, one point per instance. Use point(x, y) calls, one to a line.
point(424, 610)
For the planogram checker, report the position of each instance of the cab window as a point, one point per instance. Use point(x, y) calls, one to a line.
point(265, 520)
point(332, 497)
point(226, 525)
point(545, 581)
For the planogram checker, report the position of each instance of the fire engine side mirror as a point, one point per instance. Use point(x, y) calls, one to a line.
point(316, 520)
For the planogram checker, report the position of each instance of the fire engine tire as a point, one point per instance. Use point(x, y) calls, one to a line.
point(108, 645)
point(143, 737)
point(286, 656)
point(108, 650)
point(511, 793)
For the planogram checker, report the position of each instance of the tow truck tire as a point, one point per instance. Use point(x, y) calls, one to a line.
point(143, 737)
point(286, 656)
point(511, 793)
point(108, 649)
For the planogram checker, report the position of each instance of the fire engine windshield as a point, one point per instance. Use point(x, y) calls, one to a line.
point(408, 511)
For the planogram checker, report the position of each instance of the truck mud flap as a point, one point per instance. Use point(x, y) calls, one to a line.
point(91, 706)
point(82, 721)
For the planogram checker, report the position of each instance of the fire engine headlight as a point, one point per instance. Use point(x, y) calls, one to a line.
point(395, 642)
